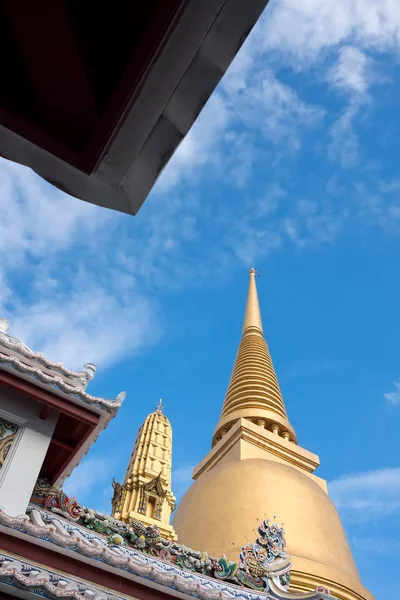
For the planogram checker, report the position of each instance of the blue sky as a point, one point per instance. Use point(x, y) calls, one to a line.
point(291, 168)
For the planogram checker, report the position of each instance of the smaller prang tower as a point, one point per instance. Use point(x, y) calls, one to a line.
point(146, 492)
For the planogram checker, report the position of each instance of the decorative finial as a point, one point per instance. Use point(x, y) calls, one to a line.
point(90, 370)
point(159, 407)
point(4, 325)
point(121, 397)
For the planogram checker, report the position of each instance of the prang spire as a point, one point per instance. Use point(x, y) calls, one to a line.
point(253, 392)
point(146, 494)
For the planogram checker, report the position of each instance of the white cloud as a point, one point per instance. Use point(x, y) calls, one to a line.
point(250, 97)
point(86, 325)
point(35, 215)
point(394, 397)
point(305, 29)
point(5, 291)
point(253, 96)
point(351, 73)
point(252, 244)
point(276, 108)
point(69, 300)
point(261, 102)
point(365, 496)
point(198, 148)
point(89, 296)
point(310, 223)
point(89, 276)
point(344, 146)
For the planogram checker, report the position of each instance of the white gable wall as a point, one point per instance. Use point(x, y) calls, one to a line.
point(24, 460)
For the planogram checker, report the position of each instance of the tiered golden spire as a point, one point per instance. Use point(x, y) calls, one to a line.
point(255, 468)
point(253, 392)
point(146, 493)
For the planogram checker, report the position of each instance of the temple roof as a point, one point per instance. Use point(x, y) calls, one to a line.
point(140, 551)
point(81, 416)
point(29, 577)
point(16, 356)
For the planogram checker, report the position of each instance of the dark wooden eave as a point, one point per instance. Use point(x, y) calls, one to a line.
point(95, 97)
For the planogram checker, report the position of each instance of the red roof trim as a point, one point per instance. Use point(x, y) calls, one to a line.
point(48, 399)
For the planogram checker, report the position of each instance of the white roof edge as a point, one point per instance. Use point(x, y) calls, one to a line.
point(16, 346)
point(57, 386)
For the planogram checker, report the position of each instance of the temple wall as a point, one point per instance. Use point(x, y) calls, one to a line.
point(25, 457)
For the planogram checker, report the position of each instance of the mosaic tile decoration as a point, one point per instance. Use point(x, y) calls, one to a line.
point(8, 431)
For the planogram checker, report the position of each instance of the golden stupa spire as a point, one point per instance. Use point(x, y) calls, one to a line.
point(253, 392)
point(256, 469)
point(252, 316)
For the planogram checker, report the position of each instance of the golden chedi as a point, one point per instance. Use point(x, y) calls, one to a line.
point(146, 494)
point(256, 469)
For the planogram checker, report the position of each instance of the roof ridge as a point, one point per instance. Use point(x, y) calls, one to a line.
point(15, 344)
point(60, 384)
